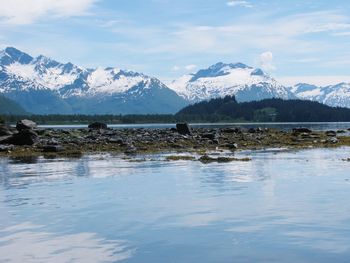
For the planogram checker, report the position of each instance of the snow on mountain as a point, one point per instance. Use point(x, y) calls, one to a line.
point(28, 80)
point(42, 85)
point(334, 95)
point(47, 73)
point(221, 79)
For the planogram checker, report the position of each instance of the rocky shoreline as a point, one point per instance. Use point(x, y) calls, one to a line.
point(29, 140)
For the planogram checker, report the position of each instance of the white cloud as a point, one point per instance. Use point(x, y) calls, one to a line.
point(276, 34)
point(19, 12)
point(190, 67)
point(239, 3)
point(175, 68)
point(266, 61)
point(342, 34)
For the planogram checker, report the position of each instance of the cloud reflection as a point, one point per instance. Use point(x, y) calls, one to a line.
point(28, 243)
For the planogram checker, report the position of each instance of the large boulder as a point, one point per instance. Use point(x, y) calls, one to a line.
point(97, 126)
point(5, 130)
point(52, 148)
point(6, 148)
point(24, 137)
point(331, 133)
point(301, 130)
point(210, 136)
point(183, 128)
point(26, 125)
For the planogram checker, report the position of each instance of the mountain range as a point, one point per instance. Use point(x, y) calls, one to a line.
point(219, 80)
point(42, 85)
point(334, 95)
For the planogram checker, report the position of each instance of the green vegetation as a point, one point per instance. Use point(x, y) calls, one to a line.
point(207, 159)
point(214, 111)
point(266, 110)
point(180, 158)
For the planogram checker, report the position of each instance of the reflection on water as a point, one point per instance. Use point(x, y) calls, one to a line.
point(282, 206)
point(28, 243)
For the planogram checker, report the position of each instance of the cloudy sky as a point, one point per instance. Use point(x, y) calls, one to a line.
point(294, 40)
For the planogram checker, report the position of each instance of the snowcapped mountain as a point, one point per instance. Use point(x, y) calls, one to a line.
point(221, 79)
point(42, 85)
point(335, 95)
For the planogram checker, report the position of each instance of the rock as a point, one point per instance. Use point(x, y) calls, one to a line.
point(53, 148)
point(40, 131)
point(230, 145)
point(26, 125)
point(115, 140)
point(231, 130)
point(207, 159)
point(6, 148)
point(331, 133)
point(255, 130)
point(251, 130)
point(183, 128)
point(332, 140)
point(216, 141)
point(131, 150)
point(341, 131)
point(210, 136)
point(301, 130)
point(98, 126)
point(52, 141)
point(5, 130)
point(24, 137)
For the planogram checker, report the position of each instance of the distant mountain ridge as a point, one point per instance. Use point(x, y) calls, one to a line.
point(334, 95)
point(42, 85)
point(9, 107)
point(219, 80)
point(253, 84)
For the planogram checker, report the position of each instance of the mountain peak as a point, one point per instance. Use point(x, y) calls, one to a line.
point(217, 70)
point(257, 72)
point(11, 54)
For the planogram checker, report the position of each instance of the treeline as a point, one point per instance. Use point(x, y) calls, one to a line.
point(268, 110)
point(84, 119)
point(216, 110)
point(115, 119)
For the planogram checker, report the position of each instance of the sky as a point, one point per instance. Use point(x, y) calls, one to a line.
point(293, 40)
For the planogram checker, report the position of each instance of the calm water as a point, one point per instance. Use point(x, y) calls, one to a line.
point(280, 207)
point(318, 126)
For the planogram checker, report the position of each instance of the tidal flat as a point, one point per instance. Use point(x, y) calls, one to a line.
point(75, 142)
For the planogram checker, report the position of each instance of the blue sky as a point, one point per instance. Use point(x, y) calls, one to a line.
point(295, 41)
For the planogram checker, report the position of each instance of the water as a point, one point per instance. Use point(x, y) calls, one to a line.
point(283, 206)
point(317, 126)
